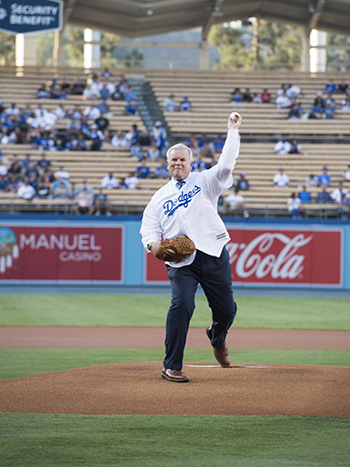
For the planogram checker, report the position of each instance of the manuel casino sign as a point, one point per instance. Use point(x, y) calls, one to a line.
point(59, 253)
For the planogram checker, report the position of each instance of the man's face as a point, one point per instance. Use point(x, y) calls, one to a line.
point(179, 164)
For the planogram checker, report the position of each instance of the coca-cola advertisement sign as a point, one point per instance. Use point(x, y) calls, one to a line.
point(289, 256)
point(42, 253)
point(271, 256)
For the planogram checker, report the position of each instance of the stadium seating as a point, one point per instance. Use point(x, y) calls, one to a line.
point(210, 94)
point(22, 90)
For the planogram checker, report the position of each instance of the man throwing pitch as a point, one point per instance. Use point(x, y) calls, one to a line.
point(187, 207)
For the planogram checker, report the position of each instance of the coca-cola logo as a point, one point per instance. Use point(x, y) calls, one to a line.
point(277, 256)
point(270, 254)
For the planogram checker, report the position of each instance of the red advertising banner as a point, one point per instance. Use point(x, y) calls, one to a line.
point(40, 253)
point(289, 257)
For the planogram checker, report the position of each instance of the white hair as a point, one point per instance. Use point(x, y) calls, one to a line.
point(179, 146)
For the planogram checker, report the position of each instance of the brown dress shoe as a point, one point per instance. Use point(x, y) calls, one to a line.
point(221, 354)
point(174, 375)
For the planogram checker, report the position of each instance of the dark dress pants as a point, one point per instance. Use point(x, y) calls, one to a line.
point(214, 275)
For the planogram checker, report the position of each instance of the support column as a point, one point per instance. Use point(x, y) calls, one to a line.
point(92, 53)
point(305, 57)
point(58, 55)
point(26, 50)
point(204, 55)
point(318, 56)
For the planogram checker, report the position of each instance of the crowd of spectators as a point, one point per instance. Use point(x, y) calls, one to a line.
point(289, 96)
point(283, 147)
point(338, 196)
point(170, 104)
point(88, 128)
point(324, 105)
point(96, 87)
point(83, 127)
point(239, 97)
point(36, 180)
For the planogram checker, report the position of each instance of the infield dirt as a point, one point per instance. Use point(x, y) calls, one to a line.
point(137, 388)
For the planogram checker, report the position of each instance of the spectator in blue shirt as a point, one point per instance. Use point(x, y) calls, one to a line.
point(80, 144)
point(218, 143)
point(143, 171)
point(236, 96)
point(32, 171)
point(134, 133)
point(101, 203)
point(330, 87)
point(162, 170)
point(324, 179)
point(130, 96)
point(136, 151)
point(304, 195)
point(329, 111)
point(243, 183)
point(43, 163)
point(295, 112)
point(4, 183)
point(323, 196)
point(42, 92)
point(25, 162)
point(104, 92)
point(130, 108)
point(185, 104)
point(198, 164)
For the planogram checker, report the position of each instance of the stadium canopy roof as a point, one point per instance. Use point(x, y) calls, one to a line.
point(140, 18)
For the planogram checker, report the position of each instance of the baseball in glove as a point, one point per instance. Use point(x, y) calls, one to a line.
point(175, 249)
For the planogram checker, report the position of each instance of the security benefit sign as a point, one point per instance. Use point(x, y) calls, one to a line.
point(37, 253)
point(271, 257)
point(25, 16)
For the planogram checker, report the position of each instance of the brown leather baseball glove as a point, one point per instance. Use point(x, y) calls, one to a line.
point(175, 249)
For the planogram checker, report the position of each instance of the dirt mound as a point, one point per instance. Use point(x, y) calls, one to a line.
point(136, 388)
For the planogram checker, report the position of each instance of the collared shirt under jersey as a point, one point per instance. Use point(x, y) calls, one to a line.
point(192, 210)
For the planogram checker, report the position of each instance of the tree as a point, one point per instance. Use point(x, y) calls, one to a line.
point(107, 49)
point(7, 49)
point(338, 59)
point(74, 53)
point(134, 59)
point(234, 52)
point(279, 46)
point(45, 49)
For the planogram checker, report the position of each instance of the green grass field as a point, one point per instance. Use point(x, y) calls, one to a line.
point(18, 362)
point(150, 310)
point(159, 441)
point(254, 441)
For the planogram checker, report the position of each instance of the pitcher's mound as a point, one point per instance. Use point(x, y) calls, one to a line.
point(137, 388)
